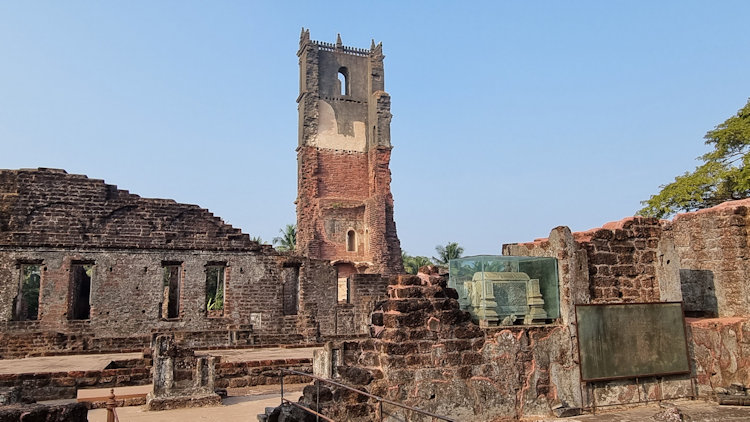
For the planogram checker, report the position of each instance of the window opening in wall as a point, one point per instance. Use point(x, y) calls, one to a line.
point(343, 271)
point(351, 241)
point(26, 304)
point(170, 306)
point(343, 290)
point(290, 290)
point(343, 81)
point(215, 286)
point(80, 290)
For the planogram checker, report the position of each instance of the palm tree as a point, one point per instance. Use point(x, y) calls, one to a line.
point(288, 238)
point(412, 264)
point(447, 252)
point(258, 239)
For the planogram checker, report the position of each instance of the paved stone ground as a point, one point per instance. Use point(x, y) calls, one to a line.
point(239, 408)
point(67, 363)
point(692, 410)
point(256, 399)
point(247, 407)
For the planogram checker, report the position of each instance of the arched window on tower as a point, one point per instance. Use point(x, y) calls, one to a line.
point(343, 81)
point(351, 241)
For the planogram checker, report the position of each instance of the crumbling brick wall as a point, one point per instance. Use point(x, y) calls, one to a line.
point(631, 260)
point(229, 374)
point(127, 294)
point(714, 246)
point(623, 257)
point(427, 353)
point(64, 385)
point(60, 223)
point(48, 207)
point(699, 258)
point(265, 372)
point(344, 202)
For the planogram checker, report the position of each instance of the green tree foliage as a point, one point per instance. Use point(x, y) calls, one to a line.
point(258, 239)
point(412, 264)
point(445, 253)
point(288, 238)
point(723, 176)
point(31, 276)
point(214, 288)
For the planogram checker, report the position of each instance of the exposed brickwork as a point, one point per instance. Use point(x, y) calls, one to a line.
point(621, 259)
point(427, 353)
point(714, 250)
point(265, 372)
point(58, 221)
point(337, 166)
point(424, 353)
point(63, 385)
point(698, 257)
point(344, 202)
point(18, 342)
point(47, 207)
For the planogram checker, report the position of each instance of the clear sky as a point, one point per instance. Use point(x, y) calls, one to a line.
point(510, 117)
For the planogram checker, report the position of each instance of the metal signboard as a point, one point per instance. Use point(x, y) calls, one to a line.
point(631, 340)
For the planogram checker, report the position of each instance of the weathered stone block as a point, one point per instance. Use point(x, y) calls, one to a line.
point(411, 305)
point(238, 382)
point(603, 258)
point(355, 376)
point(377, 318)
point(402, 348)
point(406, 292)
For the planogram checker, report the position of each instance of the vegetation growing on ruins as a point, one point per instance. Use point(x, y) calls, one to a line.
point(723, 176)
point(214, 288)
point(288, 239)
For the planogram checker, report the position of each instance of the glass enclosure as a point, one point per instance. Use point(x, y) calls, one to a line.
point(507, 290)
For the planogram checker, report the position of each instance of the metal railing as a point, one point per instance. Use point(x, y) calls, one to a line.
point(380, 400)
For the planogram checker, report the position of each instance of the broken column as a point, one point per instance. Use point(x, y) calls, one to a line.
point(181, 379)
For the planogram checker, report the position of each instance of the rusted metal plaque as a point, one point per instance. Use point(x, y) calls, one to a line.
point(631, 340)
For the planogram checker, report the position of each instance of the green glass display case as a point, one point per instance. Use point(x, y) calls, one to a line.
point(507, 290)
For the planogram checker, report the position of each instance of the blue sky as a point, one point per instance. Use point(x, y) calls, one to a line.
point(510, 118)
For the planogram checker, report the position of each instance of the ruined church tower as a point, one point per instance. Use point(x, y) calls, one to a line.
point(344, 201)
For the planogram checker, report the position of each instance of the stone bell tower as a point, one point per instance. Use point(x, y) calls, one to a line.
point(344, 201)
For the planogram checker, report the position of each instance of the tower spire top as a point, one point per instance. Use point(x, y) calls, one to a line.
point(339, 44)
point(304, 36)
